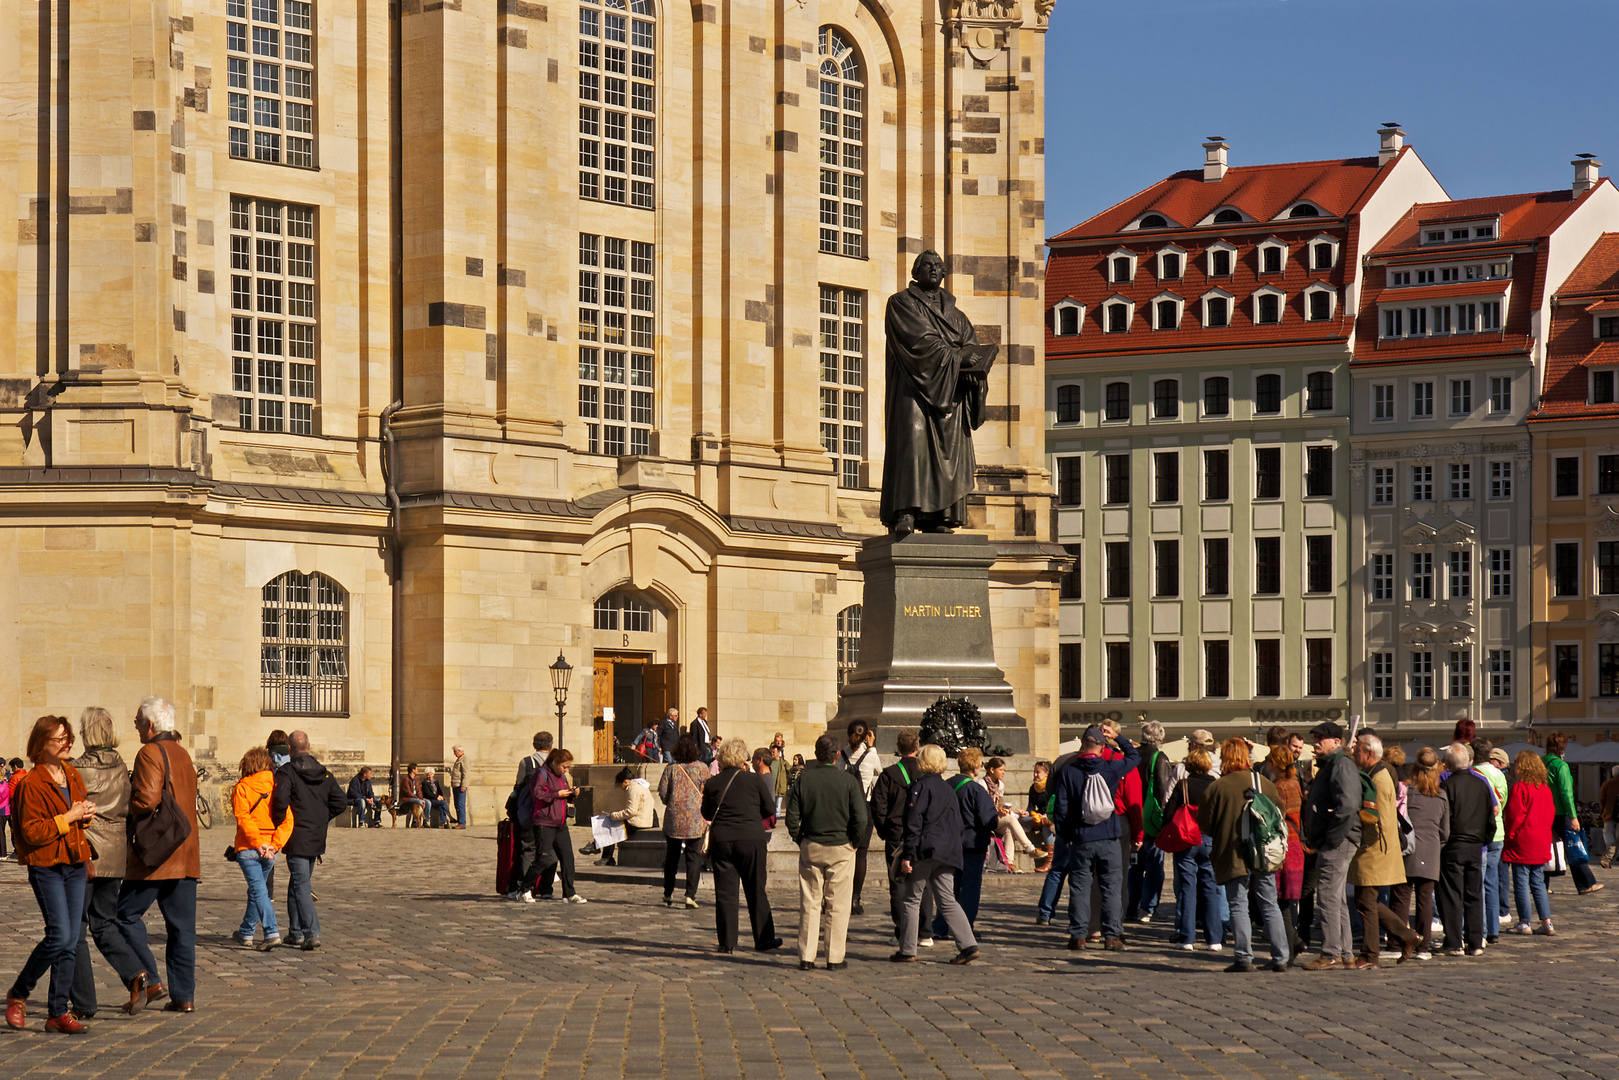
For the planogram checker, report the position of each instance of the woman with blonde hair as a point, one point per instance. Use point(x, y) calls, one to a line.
point(106, 783)
point(1531, 809)
point(736, 802)
point(258, 841)
point(931, 859)
point(1429, 813)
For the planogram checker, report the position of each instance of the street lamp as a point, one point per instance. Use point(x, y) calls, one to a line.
point(561, 672)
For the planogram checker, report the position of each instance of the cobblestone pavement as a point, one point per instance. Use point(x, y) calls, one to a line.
point(425, 974)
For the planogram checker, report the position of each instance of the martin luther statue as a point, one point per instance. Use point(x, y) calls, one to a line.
point(937, 384)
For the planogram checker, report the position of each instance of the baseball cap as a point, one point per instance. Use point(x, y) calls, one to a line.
point(1498, 756)
point(1095, 734)
point(1327, 730)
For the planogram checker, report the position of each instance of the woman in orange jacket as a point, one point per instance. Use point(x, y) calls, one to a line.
point(52, 813)
point(258, 841)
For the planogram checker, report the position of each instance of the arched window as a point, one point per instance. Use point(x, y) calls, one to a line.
point(304, 651)
point(1303, 210)
point(1153, 221)
point(848, 642)
point(843, 147)
point(1227, 216)
point(617, 101)
point(623, 611)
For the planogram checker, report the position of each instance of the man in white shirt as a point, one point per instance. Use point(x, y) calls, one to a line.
point(860, 759)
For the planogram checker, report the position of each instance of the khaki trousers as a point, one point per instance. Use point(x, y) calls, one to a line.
point(825, 892)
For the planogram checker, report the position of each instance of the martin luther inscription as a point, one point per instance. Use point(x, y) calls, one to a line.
point(936, 611)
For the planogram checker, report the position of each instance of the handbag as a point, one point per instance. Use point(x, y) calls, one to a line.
point(1558, 863)
point(1574, 845)
point(1181, 832)
point(159, 834)
point(726, 790)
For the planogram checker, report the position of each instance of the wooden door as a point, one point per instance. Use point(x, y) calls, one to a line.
point(602, 690)
point(662, 691)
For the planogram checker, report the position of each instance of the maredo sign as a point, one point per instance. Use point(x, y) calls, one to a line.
point(1289, 715)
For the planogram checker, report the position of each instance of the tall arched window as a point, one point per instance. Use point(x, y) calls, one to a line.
point(843, 147)
point(848, 641)
point(304, 652)
point(617, 101)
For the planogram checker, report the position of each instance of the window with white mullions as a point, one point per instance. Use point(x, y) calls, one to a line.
point(303, 650)
point(273, 315)
point(848, 641)
point(843, 380)
point(617, 344)
point(843, 147)
point(618, 102)
point(270, 99)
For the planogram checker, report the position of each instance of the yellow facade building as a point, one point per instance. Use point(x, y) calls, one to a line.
point(572, 312)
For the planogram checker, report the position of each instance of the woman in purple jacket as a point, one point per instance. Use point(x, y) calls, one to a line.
point(552, 793)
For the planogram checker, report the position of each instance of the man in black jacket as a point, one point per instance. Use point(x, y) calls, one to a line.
point(1332, 827)
point(668, 735)
point(887, 806)
point(363, 798)
point(304, 786)
point(1461, 860)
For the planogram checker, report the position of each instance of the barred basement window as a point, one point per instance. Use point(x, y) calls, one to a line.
point(304, 651)
point(282, 98)
point(618, 102)
point(848, 641)
point(843, 380)
point(617, 331)
point(843, 147)
point(273, 323)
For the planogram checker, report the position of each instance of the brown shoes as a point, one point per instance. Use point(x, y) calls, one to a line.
point(1114, 945)
point(1364, 963)
point(16, 1012)
point(1407, 948)
point(66, 1024)
point(1323, 963)
point(137, 994)
point(180, 1007)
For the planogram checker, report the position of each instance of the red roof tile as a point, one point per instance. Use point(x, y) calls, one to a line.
point(1602, 306)
point(1417, 294)
point(1571, 346)
point(1598, 272)
point(1523, 218)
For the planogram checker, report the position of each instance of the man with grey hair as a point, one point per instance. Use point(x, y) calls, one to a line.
point(1378, 862)
point(1461, 860)
point(169, 882)
point(458, 785)
point(1146, 878)
point(304, 786)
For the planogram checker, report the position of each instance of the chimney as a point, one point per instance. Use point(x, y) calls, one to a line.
point(1585, 173)
point(1389, 141)
point(1214, 161)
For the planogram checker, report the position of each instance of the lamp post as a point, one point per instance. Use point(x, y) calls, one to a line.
point(561, 672)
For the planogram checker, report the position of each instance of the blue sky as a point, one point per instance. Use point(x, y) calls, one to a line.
point(1496, 96)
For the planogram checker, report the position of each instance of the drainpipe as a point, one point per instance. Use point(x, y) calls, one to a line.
point(390, 465)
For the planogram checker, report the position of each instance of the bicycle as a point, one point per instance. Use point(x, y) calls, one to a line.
point(205, 816)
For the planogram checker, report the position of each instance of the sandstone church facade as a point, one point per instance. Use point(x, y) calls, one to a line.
point(361, 360)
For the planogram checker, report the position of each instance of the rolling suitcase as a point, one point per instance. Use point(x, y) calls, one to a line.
point(505, 857)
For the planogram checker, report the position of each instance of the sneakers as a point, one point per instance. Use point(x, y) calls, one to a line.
point(926, 943)
point(1422, 955)
point(691, 902)
point(575, 899)
point(525, 897)
point(1146, 917)
point(1188, 947)
point(1216, 947)
point(668, 899)
point(269, 943)
point(241, 938)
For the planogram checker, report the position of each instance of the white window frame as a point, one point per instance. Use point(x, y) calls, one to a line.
point(1287, 211)
point(1203, 308)
point(1498, 666)
point(1208, 258)
point(1500, 479)
point(1381, 663)
point(1511, 393)
point(1259, 256)
point(1123, 253)
point(1596, 324)
point(1169, 222)
point(1323, 238)
point(1394, 402)
point(1332, 302)
point(1411, 397)
point(1304, 389)
point(1107, 314)
point(1180, 310)
point(1057, 386)
point(1158, 262)
point(1281, 304)
point(1380, 578)
point(1056, 317)
point(1230, 398)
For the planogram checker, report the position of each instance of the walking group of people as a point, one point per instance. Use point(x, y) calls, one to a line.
point(104, 842)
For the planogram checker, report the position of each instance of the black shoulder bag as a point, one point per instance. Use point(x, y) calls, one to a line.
point(159, 834)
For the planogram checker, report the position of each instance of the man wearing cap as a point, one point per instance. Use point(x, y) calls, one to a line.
point(1332, 827)
point(1484, 765)
point(1094, 849)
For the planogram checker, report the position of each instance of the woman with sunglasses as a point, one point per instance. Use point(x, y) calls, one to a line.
point(52, 814)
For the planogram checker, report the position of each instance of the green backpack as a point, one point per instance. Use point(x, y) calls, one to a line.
point(1262, 831)
point(1152, 811)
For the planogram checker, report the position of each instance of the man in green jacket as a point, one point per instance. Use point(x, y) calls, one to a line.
point(826, 817)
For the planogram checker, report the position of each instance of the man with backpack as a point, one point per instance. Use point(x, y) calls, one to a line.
point(1241, 811)
point(887, 806)
point(1332, 827)
point(860, 760)
point(1379, 860)
point(1088, 819)
point(304, 786)
point(1147, 864)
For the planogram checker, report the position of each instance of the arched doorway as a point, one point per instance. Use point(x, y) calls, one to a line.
point(634, 680)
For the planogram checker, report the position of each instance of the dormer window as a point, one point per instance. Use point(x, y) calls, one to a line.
point(1166, 311)
point(1607, 327)
point(1118, 316)
point(1434, 236)
point(1268, 306)
point(1483, 232)
point(1121, 267)
point(1602, 387)
point(1304, 210)
point(1068, 317)
point(1220, 257)
point(1322, 252)
point(1170, 262)
point(1217, 308)
point(1153, 221)
point(1272, 256)
point(1320, 300)
point(1399, 278)
point(1227, 217)
point(1425, 277)
point(1458, 235)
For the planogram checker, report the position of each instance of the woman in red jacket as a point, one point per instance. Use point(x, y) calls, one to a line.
point(52, 813)
point(1528, 819)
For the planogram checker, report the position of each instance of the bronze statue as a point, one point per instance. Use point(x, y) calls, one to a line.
point(937, 384)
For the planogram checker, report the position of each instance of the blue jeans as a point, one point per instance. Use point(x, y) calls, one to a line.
point(1527, 880)
point(1102, 860)
point(1492, 885)
point(59, 891)
point(969, 890)
point(100, 914)
point(1055, 876)
point(1146, 879)
point(1195, 889)
point(461, 808)
point(302, 922)
point(176, 898)
point(260, 908)
point(1503, 889)
point(1242, 928)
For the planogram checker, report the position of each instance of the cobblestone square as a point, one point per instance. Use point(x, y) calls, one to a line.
point(424, 973)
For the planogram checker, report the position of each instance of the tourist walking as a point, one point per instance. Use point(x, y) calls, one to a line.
point(860, 759)
point(162, 764)
point(106, 784)
point(1561, 780)
point(552, 796)
point(1531, 810)
point(735, 803)
point(1086, 812)
point(520, 812)
point(1429, 813)
point(458, 785)
point(680, 788)
point(1461, 860)
point(1378, 862)
point(978, 818)
point(259, 839)
point(1220, 816)
point(930, 859)
point(827, 819)
point(1197, 900)
point(1331, 819)
point(52, 815)
point(306, 788)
